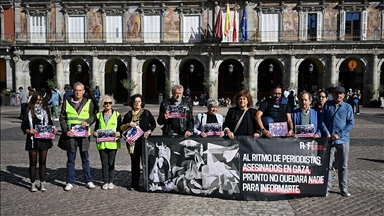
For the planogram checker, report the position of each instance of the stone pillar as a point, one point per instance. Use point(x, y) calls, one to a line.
point(136, 76)
point(19, 75)
point(293, 72)
point(66, 70)
point(253, 79)
point(213, 77)
point(333, 72)
point(173, 74)
point(94, 73)
point(9, 73)
point(375, 76)
point(60, 72)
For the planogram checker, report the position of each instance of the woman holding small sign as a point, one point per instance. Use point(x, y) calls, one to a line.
point(107, 132)
point(37, 114)
point(209, 123)
point(141, 119)
point(240, 119)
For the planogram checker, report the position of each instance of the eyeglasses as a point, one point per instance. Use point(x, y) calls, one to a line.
point(106, 103)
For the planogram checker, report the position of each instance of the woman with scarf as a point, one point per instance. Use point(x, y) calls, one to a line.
point(143, 118)
point(36, 114)
point(108, 119)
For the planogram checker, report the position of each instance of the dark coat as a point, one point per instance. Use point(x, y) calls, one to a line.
point(230, 121)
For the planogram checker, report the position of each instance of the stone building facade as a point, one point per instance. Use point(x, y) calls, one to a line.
point(305, 44)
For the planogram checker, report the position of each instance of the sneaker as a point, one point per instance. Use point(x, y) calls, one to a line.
point(56, 119)
point(33, 187)
point(42, 186)
point(111, 186)
point(68, 187)
point(346, 194)
point(90, 185)
point(105, 186)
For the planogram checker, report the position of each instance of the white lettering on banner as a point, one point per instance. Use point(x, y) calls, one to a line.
point(246, 157)
point(316, 180)
point(262, 157)
point(298, 179)
point(301, 159)
point(255, 177)
point(305, 145)
point(250, 187)
point(296, 169)
point(280, 189)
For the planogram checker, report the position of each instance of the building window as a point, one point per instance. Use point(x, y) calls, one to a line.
point(352, 26)
point(311, 26)
point(38, 29)
point(114, 32)
point(76, 29)
point(269, 27)
point(191, 30)
point(152, 29)
point(229, 37)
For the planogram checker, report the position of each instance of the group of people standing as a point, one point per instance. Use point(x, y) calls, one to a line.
point(332, 119)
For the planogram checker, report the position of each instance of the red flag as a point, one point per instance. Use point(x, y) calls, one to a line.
point(234, 37)
point(219, 25)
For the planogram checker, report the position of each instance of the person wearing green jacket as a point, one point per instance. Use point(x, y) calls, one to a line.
point(107, 126)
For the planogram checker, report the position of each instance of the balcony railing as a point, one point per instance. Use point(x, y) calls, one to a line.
point(193, 38)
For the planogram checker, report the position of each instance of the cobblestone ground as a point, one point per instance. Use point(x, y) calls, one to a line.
point(366, 179)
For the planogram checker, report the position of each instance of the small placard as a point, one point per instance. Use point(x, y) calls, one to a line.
point(176, 111)
point(106, 135)
point(132, 134)
point(305, 130)
point(212, 129)
point(79, 131)
point(44, 132)
point(278, 129)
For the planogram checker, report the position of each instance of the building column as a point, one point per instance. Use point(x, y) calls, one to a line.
point(136, 76)
point(214, 91)
point(253, 79)
point(66, 70)
point(94, 73)
point(173, 74)
point(333, 75)
point(20, 77)
point(375, 76)
point(293, 72)
point(59, 72)
point(8, 72)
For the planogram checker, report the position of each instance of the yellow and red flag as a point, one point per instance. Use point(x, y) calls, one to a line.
point(228, 23)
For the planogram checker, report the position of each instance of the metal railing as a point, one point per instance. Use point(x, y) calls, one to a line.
point(190, 37)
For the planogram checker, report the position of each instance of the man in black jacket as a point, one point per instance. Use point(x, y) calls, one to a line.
point(176, 126)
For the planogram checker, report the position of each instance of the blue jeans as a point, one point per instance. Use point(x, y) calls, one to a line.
point(339, 152)
point(71, 172)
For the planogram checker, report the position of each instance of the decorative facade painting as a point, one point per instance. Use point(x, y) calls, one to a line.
point(95, 26)
point(373, 25)
point(52, 24)
point(22, 35)
point(290, 22)
point(171, 25)
point(330, 22)
point(133, 23)
point(205, 24)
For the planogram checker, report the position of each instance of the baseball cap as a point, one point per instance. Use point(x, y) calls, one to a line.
point(339, 89)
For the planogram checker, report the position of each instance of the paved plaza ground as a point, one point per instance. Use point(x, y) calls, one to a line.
point(366, 181)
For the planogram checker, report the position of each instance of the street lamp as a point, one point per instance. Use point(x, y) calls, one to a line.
point(41, 68)
point(270, 68)
point(153, 68)
point(191, 68)
point(230, 69)
point(310, 68)
point(115, 68)
point(79, 69)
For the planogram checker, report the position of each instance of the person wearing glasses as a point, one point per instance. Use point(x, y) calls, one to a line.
point(108, 119)
point(210, 117)
point(143, 118)
point(274, 109)
point(76, 110)
point(320, 100)
point(36, 114)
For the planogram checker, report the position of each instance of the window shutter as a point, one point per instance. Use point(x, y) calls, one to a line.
point(319, 27)
point(152, 28)
point(303, 27)
point(342, 25)
point(38, 29)
point(363, 29)
point(270, 28)
point(191, 31)
point(76, 29)
point(114, 29)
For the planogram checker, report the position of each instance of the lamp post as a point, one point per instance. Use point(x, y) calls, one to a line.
point(153, 68)
point(41, 69)
point(230, 69)
point(115, 68)
point(310, 68)
point(191, 68)
point(79, 69)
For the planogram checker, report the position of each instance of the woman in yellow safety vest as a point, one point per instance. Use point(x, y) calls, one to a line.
point(107, 132)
